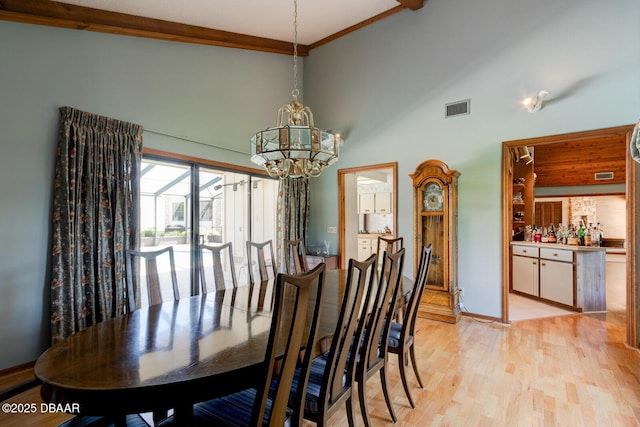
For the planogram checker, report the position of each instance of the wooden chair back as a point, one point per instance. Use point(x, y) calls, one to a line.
point(216, 252)
point(151, 262)
point(389, 245)
point(294, 326)
point(257, 252)
point(343, 353)
point(411, 311)
point(295, 256)
point(375, 327)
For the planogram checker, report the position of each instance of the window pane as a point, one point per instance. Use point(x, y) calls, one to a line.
point(229, 207)
point(165, 206)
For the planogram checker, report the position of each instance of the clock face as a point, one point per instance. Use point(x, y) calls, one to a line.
point(433, 197)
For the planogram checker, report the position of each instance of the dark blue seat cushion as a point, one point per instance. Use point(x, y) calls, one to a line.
point(133, 420)
point(394, 335)
point(232, 410)
point(314, 384)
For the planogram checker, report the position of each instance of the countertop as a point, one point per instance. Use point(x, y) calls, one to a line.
point(374, 235)
point(566, 247)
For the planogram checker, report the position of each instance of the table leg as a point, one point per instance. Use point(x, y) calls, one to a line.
point(183, 415)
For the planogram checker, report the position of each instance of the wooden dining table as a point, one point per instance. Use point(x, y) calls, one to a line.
point(172, 355)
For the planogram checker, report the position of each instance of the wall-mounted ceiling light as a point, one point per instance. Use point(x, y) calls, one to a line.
point(534, 104)
point(523, 154)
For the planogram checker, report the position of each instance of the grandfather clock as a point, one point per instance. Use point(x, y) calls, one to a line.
point(435, 199)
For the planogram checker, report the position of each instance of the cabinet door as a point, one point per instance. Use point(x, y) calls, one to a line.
point(524, 273)
point(556, 281)
point(364, 249)
point(383, 203)
point(367, 203)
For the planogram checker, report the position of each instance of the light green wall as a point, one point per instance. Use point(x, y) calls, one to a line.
point(217, 96)
point(385, 86)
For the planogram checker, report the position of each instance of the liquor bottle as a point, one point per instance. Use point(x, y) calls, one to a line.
point(552, 235)
point(537, 234)
point(587, 236)
point(528, 234)
point(572, 239)
point(600, 234)
point(560, 234)
point(545, 235)
point(595, 240)
point(581, 235)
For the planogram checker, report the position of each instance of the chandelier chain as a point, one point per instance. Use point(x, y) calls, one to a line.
point(295, 90)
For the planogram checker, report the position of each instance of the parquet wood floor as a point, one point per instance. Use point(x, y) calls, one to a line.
point(564, 371)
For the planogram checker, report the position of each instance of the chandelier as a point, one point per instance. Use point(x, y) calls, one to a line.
point(294, 148)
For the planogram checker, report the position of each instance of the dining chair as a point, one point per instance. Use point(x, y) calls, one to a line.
point(294, 326)
point(152, 274)
point(389, 245)
point(372, 357)
point(401, 335)
point(332, 374)
point(133, 420)
point(295, 256)
point(263, 260)
point(218, 266)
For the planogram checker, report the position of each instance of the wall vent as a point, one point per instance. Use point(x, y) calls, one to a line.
point(458, 108)
point(602, 176)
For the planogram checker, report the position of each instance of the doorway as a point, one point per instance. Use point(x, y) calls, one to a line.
point(631, 195)
point(367, 206)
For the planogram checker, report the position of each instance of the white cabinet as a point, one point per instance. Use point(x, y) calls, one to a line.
point(556, 275)
point(366, 203)
point(556, 281)
point(525, 274)
point(382, 203)
point(573, 276)
point(365, 248)
point(379, 203)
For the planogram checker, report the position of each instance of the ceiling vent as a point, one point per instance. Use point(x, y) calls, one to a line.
point(459, 108)
point(603, 176)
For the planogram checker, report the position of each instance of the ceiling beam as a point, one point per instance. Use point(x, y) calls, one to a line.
point(412, 4)
point(357, 26)
point(55, 14)
point(63, 15)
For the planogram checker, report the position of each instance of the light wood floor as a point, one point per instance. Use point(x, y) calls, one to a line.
point(567, 371)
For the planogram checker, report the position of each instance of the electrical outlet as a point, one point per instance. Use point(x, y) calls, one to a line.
point(332, 230)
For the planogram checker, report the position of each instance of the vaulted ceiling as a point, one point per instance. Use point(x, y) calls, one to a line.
point(263, 25)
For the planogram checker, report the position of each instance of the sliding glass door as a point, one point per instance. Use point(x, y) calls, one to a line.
point(185, 204)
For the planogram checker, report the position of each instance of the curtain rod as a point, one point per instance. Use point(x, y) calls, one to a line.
point(184, 138)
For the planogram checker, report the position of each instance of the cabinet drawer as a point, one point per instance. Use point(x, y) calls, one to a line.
point(525, 251)
point(365, 241)
point(556, 254)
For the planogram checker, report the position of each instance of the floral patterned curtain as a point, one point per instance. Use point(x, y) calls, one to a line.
point(635, 142)
point(95, 219)
point(293, 212)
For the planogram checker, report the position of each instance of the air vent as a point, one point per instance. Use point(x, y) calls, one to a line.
point(459, 108)
point(603, 176)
